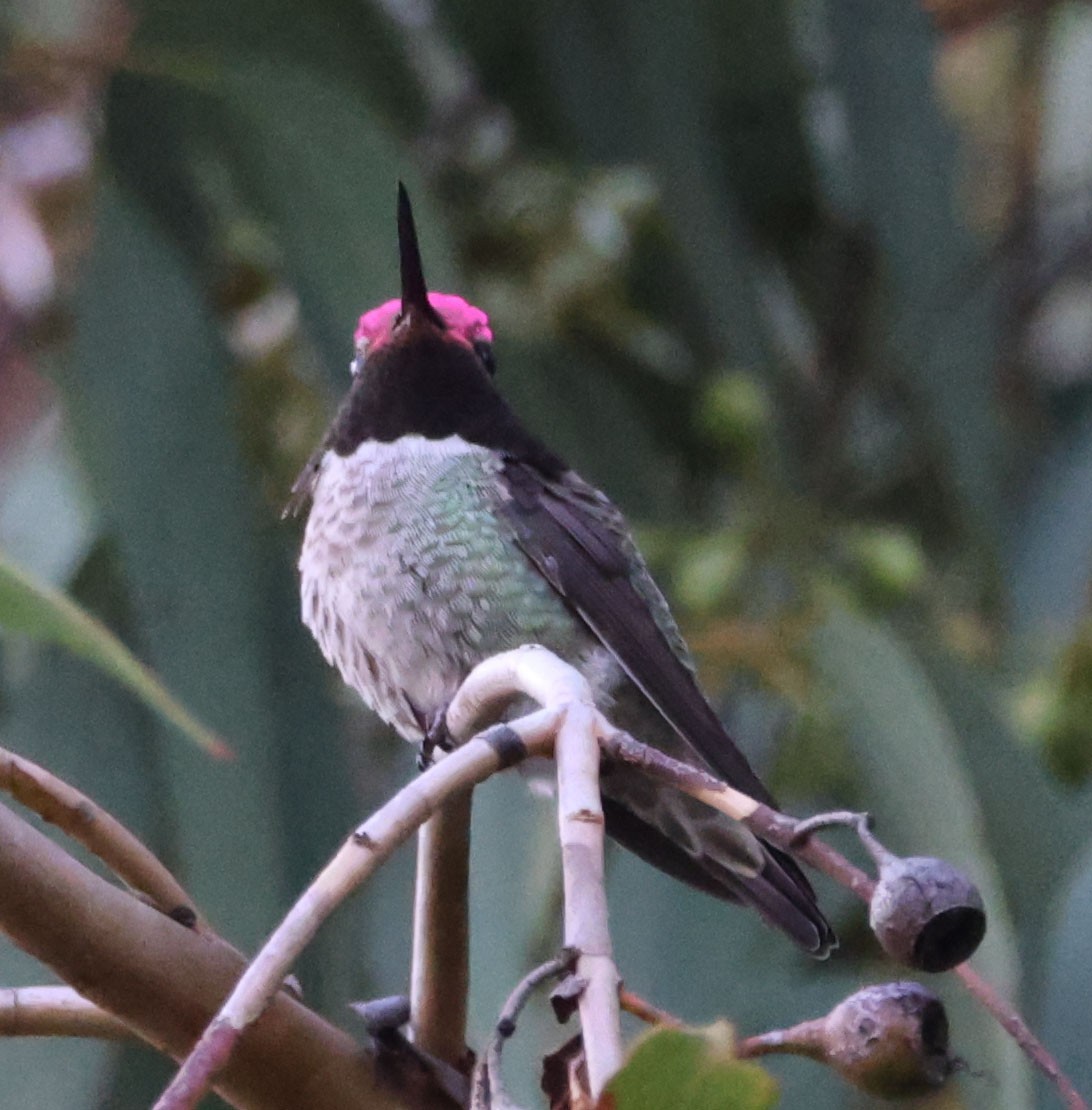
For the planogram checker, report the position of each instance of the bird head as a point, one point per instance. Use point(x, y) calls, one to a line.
point(418, 312)
point(424, 367)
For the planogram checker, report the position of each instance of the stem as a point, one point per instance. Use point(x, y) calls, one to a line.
point(103, 835)
point(357, 860)
point(164, 981)
point(644, 1011)
point(440, 976)
point(581, 826)
point(488, 1089)
point(1013, 1024)
point(56, 1012)
point(785, 832)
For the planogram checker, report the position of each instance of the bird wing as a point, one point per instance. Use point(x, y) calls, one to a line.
point(579, 542)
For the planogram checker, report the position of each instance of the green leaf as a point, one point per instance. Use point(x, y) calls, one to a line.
point(149, 401)
point(1068, 980)
point(353, 43)
point(163, 444)
point(693, 1069)
point(1009, 778)
point(38, 610)
point(940, 334)
point(907, 754)
point(1050, 553)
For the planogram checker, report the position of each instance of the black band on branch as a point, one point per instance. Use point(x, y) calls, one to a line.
point(507, 743)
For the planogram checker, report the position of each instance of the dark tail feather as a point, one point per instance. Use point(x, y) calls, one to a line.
point(780, 894)
point(785, 900)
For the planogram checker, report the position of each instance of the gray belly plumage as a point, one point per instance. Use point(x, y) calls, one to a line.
point(409, 578)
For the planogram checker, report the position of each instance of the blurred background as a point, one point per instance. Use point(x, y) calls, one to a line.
point(806, 285)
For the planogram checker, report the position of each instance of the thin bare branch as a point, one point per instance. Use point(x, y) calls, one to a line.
point(440, 976)
point(56, 1012)
point(164, 981)
point(644, 1011)
point(1013, 1024)
point(101, 834)
point(359, 858)
point(488, 1087)
point(582, 831)
point(786, 832)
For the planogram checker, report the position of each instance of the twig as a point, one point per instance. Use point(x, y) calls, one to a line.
point(1017, 1028)
point(164, 981)
point(56, 1012)
point(644, 1010)
point(371, 844)
point(488, 1090)
point(707, 788)
point(101, 834)
point(440, 975)
point(785, 832)
point(495, 683)
point(581, 828)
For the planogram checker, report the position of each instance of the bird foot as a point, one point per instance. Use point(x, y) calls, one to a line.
point(437, 736)
point(398, 1058)
point(383, 1015)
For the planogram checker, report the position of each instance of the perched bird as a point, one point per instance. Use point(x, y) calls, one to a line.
point(441, 532)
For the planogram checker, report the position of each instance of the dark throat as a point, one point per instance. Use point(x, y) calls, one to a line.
point(434, 388)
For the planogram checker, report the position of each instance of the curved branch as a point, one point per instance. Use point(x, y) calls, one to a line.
point(488, 1088)
point(488, 690)
point(74, 813)
point(56, 1012)
point(357, 859)
point(582, 830)
point(164, 981)
point(785, 832)
point(537, 673)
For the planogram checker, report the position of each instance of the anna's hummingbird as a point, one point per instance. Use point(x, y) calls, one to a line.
point(442, 532)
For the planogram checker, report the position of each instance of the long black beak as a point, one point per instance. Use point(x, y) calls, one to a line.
point(414, 290)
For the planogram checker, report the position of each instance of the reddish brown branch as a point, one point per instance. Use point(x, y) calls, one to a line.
point(165, 981)
point(784, 832)
point(55, 1012)
point(1017, 1028)
point(644, 1010)
point(101, 834)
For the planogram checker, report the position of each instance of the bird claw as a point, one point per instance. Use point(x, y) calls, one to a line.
point(437, 736)
point(383, 1015)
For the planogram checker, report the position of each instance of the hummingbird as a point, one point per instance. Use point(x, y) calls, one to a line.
point(442, 531)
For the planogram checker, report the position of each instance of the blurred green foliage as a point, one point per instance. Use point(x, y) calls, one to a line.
point(779, 276)
point(695, 1069)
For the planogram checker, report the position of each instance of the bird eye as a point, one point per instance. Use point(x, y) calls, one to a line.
point(484, 351)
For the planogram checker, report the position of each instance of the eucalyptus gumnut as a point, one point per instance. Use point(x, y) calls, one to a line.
point(890, 1040)
point(925, 913)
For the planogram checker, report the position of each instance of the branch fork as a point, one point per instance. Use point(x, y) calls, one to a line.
point(567, 726)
